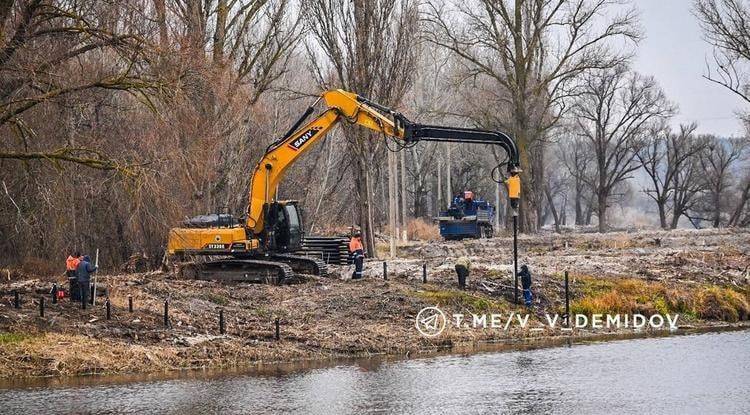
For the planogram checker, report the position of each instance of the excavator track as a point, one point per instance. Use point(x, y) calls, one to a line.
point(302, 264)
point(242, 270)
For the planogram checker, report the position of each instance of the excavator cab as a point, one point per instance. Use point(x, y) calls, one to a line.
point(283, 227)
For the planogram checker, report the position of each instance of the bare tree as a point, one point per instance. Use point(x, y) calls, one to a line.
point(688, 186)
point(555, 189)
point(532, 50)
point(668, 158)
point(726, 26)
point(613, 113)
point(577, 158)
point(43, 41)
point(717, 164)
point(370, 47)
point(741, 214)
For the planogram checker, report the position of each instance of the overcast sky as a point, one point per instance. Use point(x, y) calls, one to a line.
point(674, 52)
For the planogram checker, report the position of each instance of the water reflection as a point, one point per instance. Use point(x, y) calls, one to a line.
point(682, 374)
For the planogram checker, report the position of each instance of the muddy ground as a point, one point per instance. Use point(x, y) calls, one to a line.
point(703, 275)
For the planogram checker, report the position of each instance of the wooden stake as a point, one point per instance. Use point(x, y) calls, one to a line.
point(96, 265)
point(221, 321)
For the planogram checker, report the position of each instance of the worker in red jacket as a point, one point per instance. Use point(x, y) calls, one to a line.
point(71, 264)
point(357, 251)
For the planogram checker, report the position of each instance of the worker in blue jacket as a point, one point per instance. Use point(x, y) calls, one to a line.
point(83, 275)
point(526, 284)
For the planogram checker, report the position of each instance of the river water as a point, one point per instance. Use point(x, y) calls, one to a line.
point(702, 373)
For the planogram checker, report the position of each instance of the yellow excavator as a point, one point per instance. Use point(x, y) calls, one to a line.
point(261, 247)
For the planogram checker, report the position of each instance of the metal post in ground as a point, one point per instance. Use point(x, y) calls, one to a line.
point(424, 273)
point(130, 303)
point(108, 306)
point(166, 313)
point(278, 329)
point(54, 293)
point(567, 301)
point(515, 256)
point(16, 299)
point(385, 270)
point(41, 306)
point(221, 321)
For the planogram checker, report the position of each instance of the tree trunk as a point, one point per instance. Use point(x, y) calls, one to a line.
point(602, 190)
point(580, 218)
point(392, 202)
point(220, 31)
point(448, 187)
point(404, 211)
point(369, 219)
point(439, 188)
point(195, 28)
point(717, 209)
point(552, 208)
point(161, 21)
point(364, 194)
point(662, 205)
point(734, 220)
point(602, 210)
point(675, 220)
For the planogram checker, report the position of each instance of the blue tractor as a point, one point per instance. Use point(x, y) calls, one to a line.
point(467, 217)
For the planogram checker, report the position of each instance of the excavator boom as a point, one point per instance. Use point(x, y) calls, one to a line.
point(342, 105)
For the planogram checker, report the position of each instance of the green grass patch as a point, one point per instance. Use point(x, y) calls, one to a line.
point(217, 299)
point(11, 338)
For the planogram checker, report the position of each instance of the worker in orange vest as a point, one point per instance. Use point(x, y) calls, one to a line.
point(71, 264)
point(357, 251)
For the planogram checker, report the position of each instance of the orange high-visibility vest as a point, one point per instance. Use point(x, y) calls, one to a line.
point(355, 244)
point(72, 263)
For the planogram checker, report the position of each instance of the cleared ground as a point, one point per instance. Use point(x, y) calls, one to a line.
point(702, 275)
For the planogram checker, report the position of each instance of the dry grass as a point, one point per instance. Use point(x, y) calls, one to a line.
point(40, 266)
point(66, 354)
point(421, 230)
point(718, 303)
point(630, 295)
point(462, 301)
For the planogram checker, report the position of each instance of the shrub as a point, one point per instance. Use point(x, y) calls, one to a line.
point(419, 229)
point(722, 304)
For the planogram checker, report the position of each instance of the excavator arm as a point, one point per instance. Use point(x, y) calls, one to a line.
point(342, 105)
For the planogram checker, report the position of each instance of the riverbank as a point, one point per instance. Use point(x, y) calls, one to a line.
point(700, 275)
point(630, 376)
